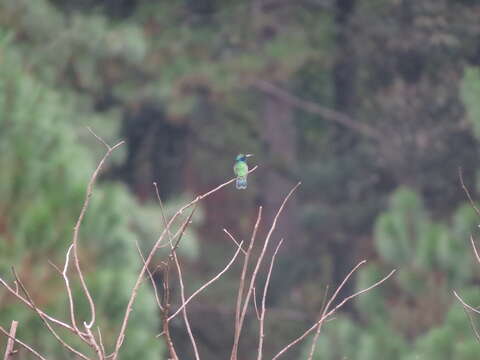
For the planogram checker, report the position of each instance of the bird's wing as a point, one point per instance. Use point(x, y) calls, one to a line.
point(241, 168)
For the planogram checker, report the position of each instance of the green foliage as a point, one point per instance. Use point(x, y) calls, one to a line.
point(45, 170)
point(432, 258)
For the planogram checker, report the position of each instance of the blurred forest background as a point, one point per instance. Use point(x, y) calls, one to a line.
point(372, 104)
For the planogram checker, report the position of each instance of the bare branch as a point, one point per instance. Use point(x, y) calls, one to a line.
point(255, 303)
point(472, 324)
point(477, 256)
point(150, 257)
point(233, 239)
point(99, 138)
point(22, 344)
point(184, 311)
point(150, 275)
point(100, 340)
point(243, 275)
point(29, 305)
point(47, 324)
point(467, 192)
point(254, 275)
point(319, 327)
point(204, 286)
point(261, 334)
point(76, 229)
point(469, 307)
point(327, 313)
point(11, 341)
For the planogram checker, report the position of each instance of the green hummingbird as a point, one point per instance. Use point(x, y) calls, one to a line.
point(240, 168)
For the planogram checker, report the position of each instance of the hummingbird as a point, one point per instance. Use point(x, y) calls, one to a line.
point(240, 168)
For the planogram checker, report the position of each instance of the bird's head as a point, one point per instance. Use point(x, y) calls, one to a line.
point(242, 157)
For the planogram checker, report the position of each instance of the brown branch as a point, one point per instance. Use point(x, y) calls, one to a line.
point(156, 246)
point(47, 324)
point(467, 192)
point(64, 274)
point(100, 340)
point(239, 326)
point(152, 280)
point(184, 311)
point(22, 344)
point(319, 327)
point(314, 108)
point(29, 305)
point(173, 255)
point(204, 286)
point(244, 274)
point(9, 352)
point(261, 334)
point(469, 307)
point(472, 324)
point(233, 239)
point(76, 229)
point(477, 256)
point(254, 296)
point(326, 314)
point(166, 305)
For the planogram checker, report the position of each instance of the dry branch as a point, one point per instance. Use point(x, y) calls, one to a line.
point(22, 344)
point(149, 258)
point(76, 229)
point(261, 333)
point(326, 313)
point(9, 352)
point(240, 320)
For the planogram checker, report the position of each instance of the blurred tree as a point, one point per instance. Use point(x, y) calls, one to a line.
point(44, 173)
point(401, 320)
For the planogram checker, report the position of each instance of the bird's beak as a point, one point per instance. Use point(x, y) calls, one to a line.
point(248, 155)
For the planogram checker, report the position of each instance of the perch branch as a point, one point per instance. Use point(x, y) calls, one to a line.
point(150, 257)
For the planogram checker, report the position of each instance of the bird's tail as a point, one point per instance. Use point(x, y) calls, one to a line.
point(241, 182)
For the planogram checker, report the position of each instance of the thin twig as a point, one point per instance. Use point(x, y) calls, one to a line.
point(11, 341)
point(173, 255)
point(64, 274)
point(47, 324)
point(21, 343)
point(243, 275)
point(76, 229)
point(204, 286)
point(467, 192)
point(149, 258)
point(233, 239)
point(319, 327)
point(29, 305)
point(477, 256)
point(166, 305)
point(254, 275)
point(469, 307)
point(326, 314)
point(261, 334)
point(100, 340)
point(152, 280)
point(472, 324)
point(254, 296)
point(184, 311)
